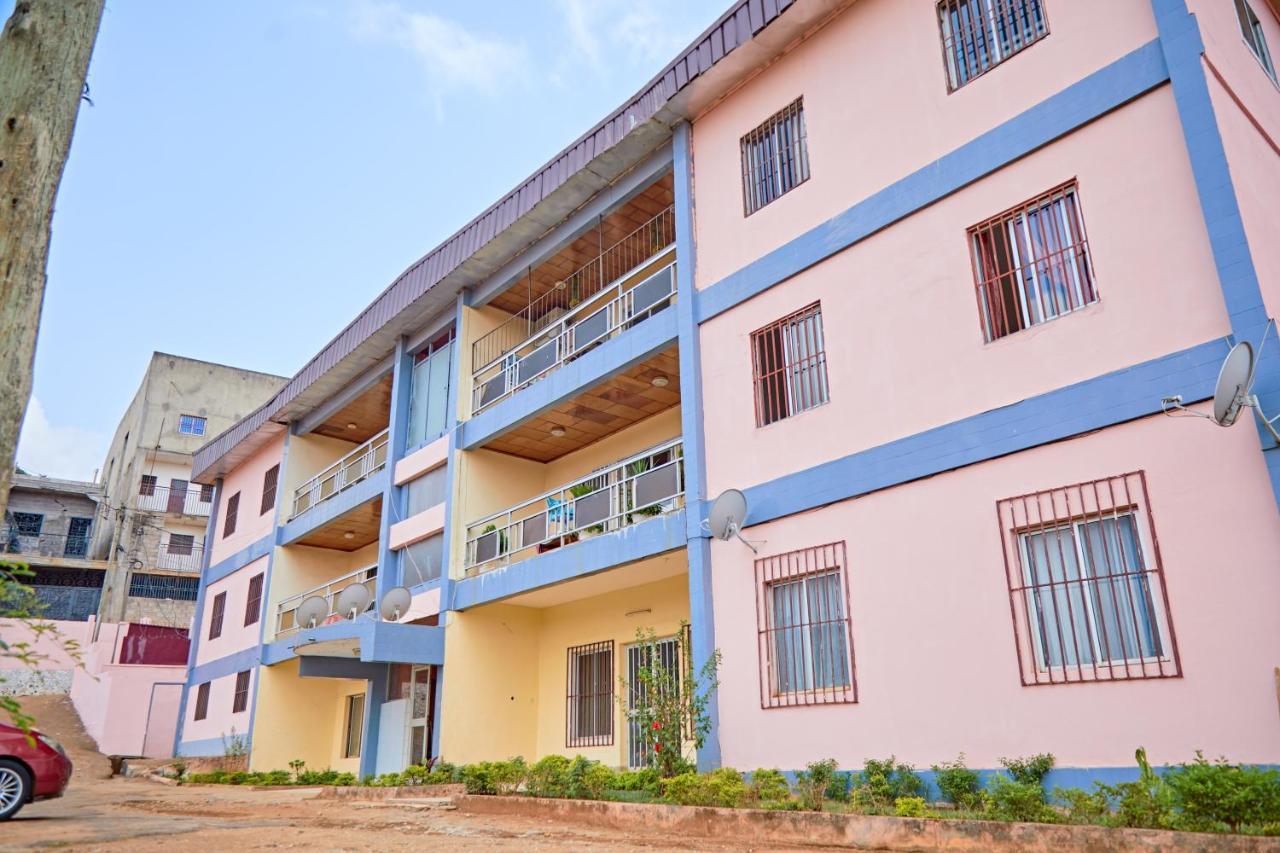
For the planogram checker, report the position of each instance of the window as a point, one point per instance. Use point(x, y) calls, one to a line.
point(163, 587)
point(241, 700)
point(427, 491)
point(1031, 263)
point(181, 544)
point(28, 523)
point(590, 695)
point(269, 482)
point(1255, 36)
point(429, 393)
point(355, 726)
point(1086, 591)
point(977, 35)
point(422, 561)
point(77, 544)
point(775, 157)
point(202, 701)
point(233, 509)
point(805, 634)
point(253, 601)
point(789, 366)
point(147, 487)
point(206, 493)
point(215, 618)
point(190, 425)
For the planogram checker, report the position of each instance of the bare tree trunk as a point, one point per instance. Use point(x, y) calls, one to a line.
point(44, 57)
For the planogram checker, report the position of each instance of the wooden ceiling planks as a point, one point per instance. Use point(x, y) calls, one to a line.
point(370, 412)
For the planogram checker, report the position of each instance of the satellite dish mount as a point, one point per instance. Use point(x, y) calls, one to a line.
point(1233, 392)
point(728, 513)
point(395, 604)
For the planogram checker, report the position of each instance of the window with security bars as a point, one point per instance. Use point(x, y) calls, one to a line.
point(215, 619)
point(667, 653)
point(206, 493)
point(789, 365)
point(590, 695)
point(181, 544)
point(202, 701)
point(147, 485)
point(269, 482)
point(253, 601)
point(1255, 36)
point(805, 634)
point(28, 523)
point(1032, 264)
point(240, 700)
point(775, 157)
point(163, 586)
point(977, 35)
point(1086, 588)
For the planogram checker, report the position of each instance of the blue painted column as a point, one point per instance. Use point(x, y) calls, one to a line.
point(397, 437)
point(451, 476)
point(374, 694)
point(1181, 41)
point(701, 615)
point(209, 531)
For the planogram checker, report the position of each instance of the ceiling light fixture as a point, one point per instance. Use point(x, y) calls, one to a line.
point(352, 425)
point(348, 535)
point(660, 381)
point(558, 432)
point(639, 612)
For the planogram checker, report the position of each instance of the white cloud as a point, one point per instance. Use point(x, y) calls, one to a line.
point(56, 451)
point(454, 57)
point(647, 35)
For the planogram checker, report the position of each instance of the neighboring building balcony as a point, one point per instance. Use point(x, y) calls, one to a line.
point(620, 287)
point(74, 546)
point(180, 499)
point(287, 610)
point(178, 554)
point(650, 483)
point(357, 466)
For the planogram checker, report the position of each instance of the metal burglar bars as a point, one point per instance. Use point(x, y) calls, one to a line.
point(74, 545)
point(589, 721)
point(805, 633)
point(775, 157)
point(286, 611)
point(607, 314)
point(789, 365)
point(357, 465)
point(1031, 263)
point(978, 35)
point(611, 498)
point(1086, 589)
point(619, 261)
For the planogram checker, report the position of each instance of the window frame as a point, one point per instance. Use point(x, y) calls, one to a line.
point(799, 375)
point(769, 173)
point(240, 698)
point(188, 542)
point(36, 518)
point(202, 700)
point(253, 599)
point(197, 424)
point(950, 66)
point(803, 565)
point(1255, 38)
point(217, 614)
point(147, 485)
point(596, 699)
point(354, 726)
point(232, 515)
point(270, 485)
point(443, 342)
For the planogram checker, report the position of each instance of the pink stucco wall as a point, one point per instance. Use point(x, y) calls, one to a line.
point(219, 722)
point(235, 634)
point(48, 648)
point(865, 134)
point(936, 661)
point(904, 344)
point(1226, 49)
point(421, 461)
point(417, 527)
point(251, 523)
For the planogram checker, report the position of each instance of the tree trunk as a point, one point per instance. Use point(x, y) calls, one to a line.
point(44, 57)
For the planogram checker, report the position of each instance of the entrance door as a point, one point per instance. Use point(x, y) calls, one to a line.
point(177, 495)
point(422, 699)
point(668, 651)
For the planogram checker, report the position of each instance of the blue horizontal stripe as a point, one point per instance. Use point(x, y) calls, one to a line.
point(246, 555)
point(322, 513)
point(224, 666)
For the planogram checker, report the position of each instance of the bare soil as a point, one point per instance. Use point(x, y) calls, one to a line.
point(102, 813)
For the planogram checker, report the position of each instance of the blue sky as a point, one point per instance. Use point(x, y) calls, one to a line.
point(253, 172)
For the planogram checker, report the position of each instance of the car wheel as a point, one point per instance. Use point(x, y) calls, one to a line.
point(15, 788)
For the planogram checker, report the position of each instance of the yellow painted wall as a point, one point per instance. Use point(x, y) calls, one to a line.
point(505, 669)
point(490, 686)
point(309, 455)
point(476, 323)
point(300, 718)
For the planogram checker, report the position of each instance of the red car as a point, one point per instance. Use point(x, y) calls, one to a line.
point(30, 771)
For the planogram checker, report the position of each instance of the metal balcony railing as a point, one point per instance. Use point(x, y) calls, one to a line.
point(611, 498)
point(604, 316)
point(286, 611)
point(357, 465)
point(178, 556)
point(616, 262)
point(193, 499)
point(47, 544)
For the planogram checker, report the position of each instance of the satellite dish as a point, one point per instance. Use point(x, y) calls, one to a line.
point(311, 612)
point(395, 604)
point(353, 600)
point(728, 512)
point(1234, 379)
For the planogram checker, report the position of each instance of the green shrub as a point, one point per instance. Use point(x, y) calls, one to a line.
point(215, 777)
point(179, 769)
point(275, 777)
point(881, 783)
point(646, 779)
point(239, 777)
point(1021, 801)
point(769, 786)
point(910, 807)
point(1030, 770)
point(494, 777)
point(595, 780)
point(578, 771)
point(1147, 802)
point(1211, 796)
point(1084, 806)
point(723, 787)
point(958, 784)
point(813, 783)
point(549, 777)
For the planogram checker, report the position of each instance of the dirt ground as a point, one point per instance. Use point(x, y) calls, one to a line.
point(101, 813)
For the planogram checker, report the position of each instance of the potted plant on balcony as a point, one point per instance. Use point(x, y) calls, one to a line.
point(633, 470)
point(581, 490)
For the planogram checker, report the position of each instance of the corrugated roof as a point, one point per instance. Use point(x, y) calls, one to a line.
point(744, 20)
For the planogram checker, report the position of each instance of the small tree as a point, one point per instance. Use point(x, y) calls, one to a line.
point(20, 603)
point(668, 701)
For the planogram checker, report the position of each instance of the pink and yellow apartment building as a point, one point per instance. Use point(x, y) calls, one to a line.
point(917, 278)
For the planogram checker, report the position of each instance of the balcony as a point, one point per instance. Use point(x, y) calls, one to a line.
point(180, 499)
point(620, 495)
point(355, 467)
point(178, 555)
point(287, 610)
point(74, 546)
point(621, 286)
